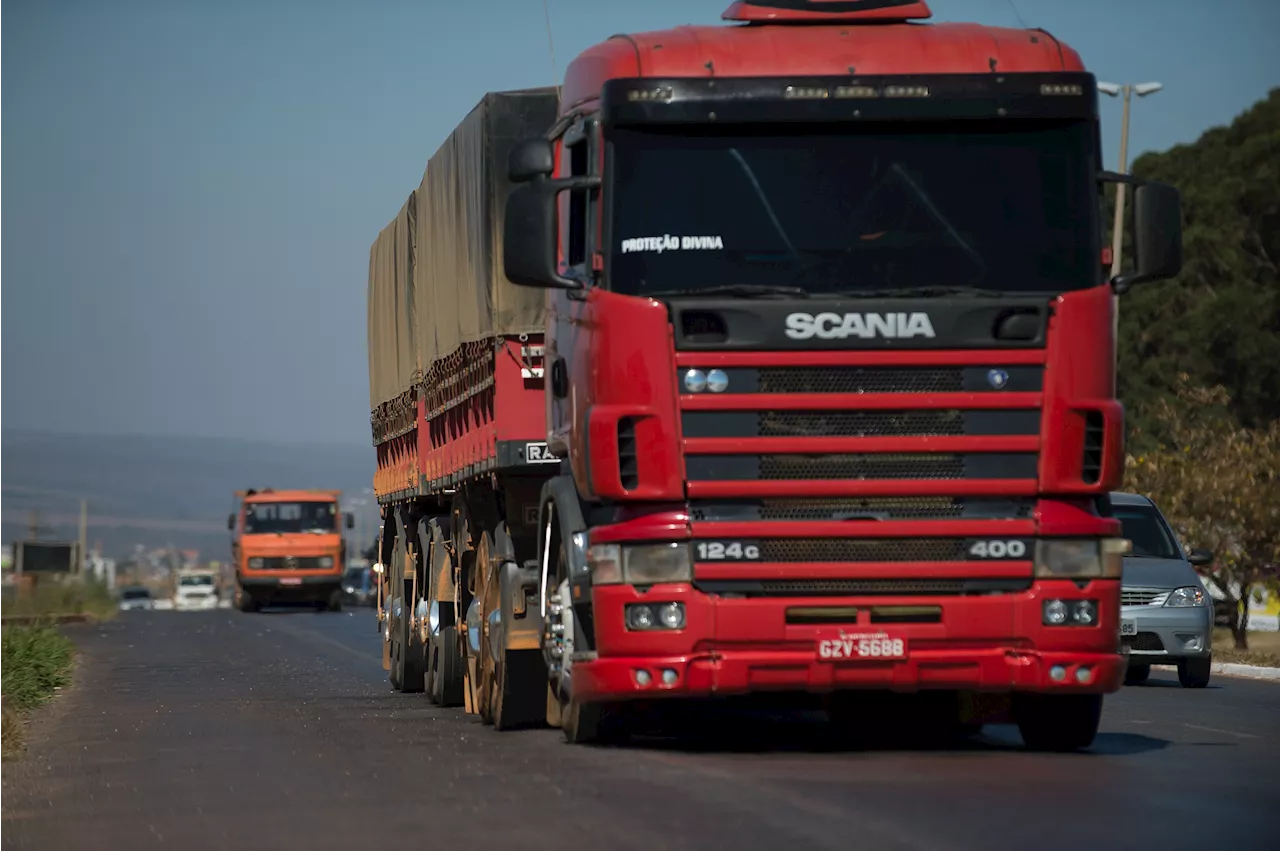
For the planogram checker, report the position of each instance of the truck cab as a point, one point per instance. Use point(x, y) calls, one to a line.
point(288, 547)
point(830, 351)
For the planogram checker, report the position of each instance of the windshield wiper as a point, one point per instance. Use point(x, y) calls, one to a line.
point(922, 292)
point(743, 290)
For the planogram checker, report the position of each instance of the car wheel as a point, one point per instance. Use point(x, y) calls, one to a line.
point(1137, 674)
point(1194, 673)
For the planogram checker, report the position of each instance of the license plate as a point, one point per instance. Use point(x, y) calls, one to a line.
point(1128, 627)
point(290, 580)
point(860, 646)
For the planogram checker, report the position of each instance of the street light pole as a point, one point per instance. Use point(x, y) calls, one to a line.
point(1117, 227)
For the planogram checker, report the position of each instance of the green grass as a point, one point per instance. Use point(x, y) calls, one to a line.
point(35, 662)
point(1264, 648)
point(71, 597)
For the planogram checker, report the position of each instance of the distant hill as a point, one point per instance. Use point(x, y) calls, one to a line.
point(160, 491)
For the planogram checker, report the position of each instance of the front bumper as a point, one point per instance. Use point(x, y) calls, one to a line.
point(993, 643)
point(187, 604)
point(1168, 633)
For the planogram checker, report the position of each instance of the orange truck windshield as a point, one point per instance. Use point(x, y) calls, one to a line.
point(276, 518)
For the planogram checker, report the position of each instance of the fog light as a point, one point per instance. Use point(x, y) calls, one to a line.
point(669, 677)
point(1055, 612)
point(717, 381)
point(1191, 643)
point(672, 615)
point(1084, 612)
point(695, 381)
point(643, 678)
point(1083, 675)
point(1057, 673)
point(639, 617)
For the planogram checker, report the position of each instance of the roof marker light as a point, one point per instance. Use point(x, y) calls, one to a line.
point(806, 93)
point(1061, 89)
point(663, 94)
point(906, 91)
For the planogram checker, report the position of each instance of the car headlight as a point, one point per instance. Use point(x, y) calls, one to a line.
point(644, 564)
point(1185, 597)
point(325, 561)
point(255, 564)
point(1084, 558)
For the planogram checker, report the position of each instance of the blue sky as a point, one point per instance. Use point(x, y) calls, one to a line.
point(193, 187)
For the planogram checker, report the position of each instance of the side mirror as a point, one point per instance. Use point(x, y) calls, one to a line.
point(531, 159)
point(351, 520)
point(1157, 237)
point(1200, 558)
point(231, 522)
point(529, 234)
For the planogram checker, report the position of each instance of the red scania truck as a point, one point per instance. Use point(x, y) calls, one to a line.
point(815, 395)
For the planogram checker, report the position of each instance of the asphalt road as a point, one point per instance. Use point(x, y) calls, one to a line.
point(221, 730)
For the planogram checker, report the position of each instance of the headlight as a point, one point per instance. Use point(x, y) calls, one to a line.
point(653, 563)
point(1081, 558)
point(645, 564)
point(325, 561)
point(255, 564)
point(1185, 597)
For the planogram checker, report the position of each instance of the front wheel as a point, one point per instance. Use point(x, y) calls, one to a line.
point(592, 723)
point(245, 601)
point(1058, 722)
point(334, 603)
point(1194, 673)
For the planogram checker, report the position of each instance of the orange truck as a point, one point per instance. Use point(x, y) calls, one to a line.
point(287, 547)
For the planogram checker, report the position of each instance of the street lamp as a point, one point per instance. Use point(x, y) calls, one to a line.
point(1117, 227)
point(1127, 89)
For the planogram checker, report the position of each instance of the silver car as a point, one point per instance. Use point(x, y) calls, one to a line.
point(1166, 615)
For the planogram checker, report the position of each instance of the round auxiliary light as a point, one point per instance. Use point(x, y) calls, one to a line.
point(1057, 673)
point(717, 381)
point(671, 615)
point(1055, 612)
point(641, 617)
point(695, 381)
point(669, 677)
point(643, 678)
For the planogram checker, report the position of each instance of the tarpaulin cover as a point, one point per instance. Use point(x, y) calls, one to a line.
point(455, 291)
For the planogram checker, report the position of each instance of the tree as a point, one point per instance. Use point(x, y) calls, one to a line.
point(1219, 321)
point(1219, 484)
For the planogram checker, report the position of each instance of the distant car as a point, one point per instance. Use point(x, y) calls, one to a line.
point(357, 586)
point(136, 598)
point(197, 590)
point(1166, 615)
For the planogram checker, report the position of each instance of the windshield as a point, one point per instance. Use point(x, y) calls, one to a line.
point(1150, 537)
point(135, 594)
point(195, 581)
point(286, 517)
point(1011, 207)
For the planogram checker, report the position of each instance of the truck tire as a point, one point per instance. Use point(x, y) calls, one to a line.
point(1057, 722)
point(334, 603)
point(592, 724)
point(245, 601)
point(446, 671)
point(1195, 673)
point(520, 690)
point(408, 657)
point(1137, 675)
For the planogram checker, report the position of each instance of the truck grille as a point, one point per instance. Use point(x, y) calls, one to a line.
point(856, 379)
point(854, 508)
point(862, 549)
point(863, 587)
point(292, 563)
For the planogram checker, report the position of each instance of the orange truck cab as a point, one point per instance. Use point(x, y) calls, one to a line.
point(287, 547)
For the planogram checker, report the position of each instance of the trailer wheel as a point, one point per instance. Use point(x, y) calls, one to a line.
point(1057, 722)
point(408, 658)
point(446, 673)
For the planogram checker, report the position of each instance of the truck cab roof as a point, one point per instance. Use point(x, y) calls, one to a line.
point(779, 38)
